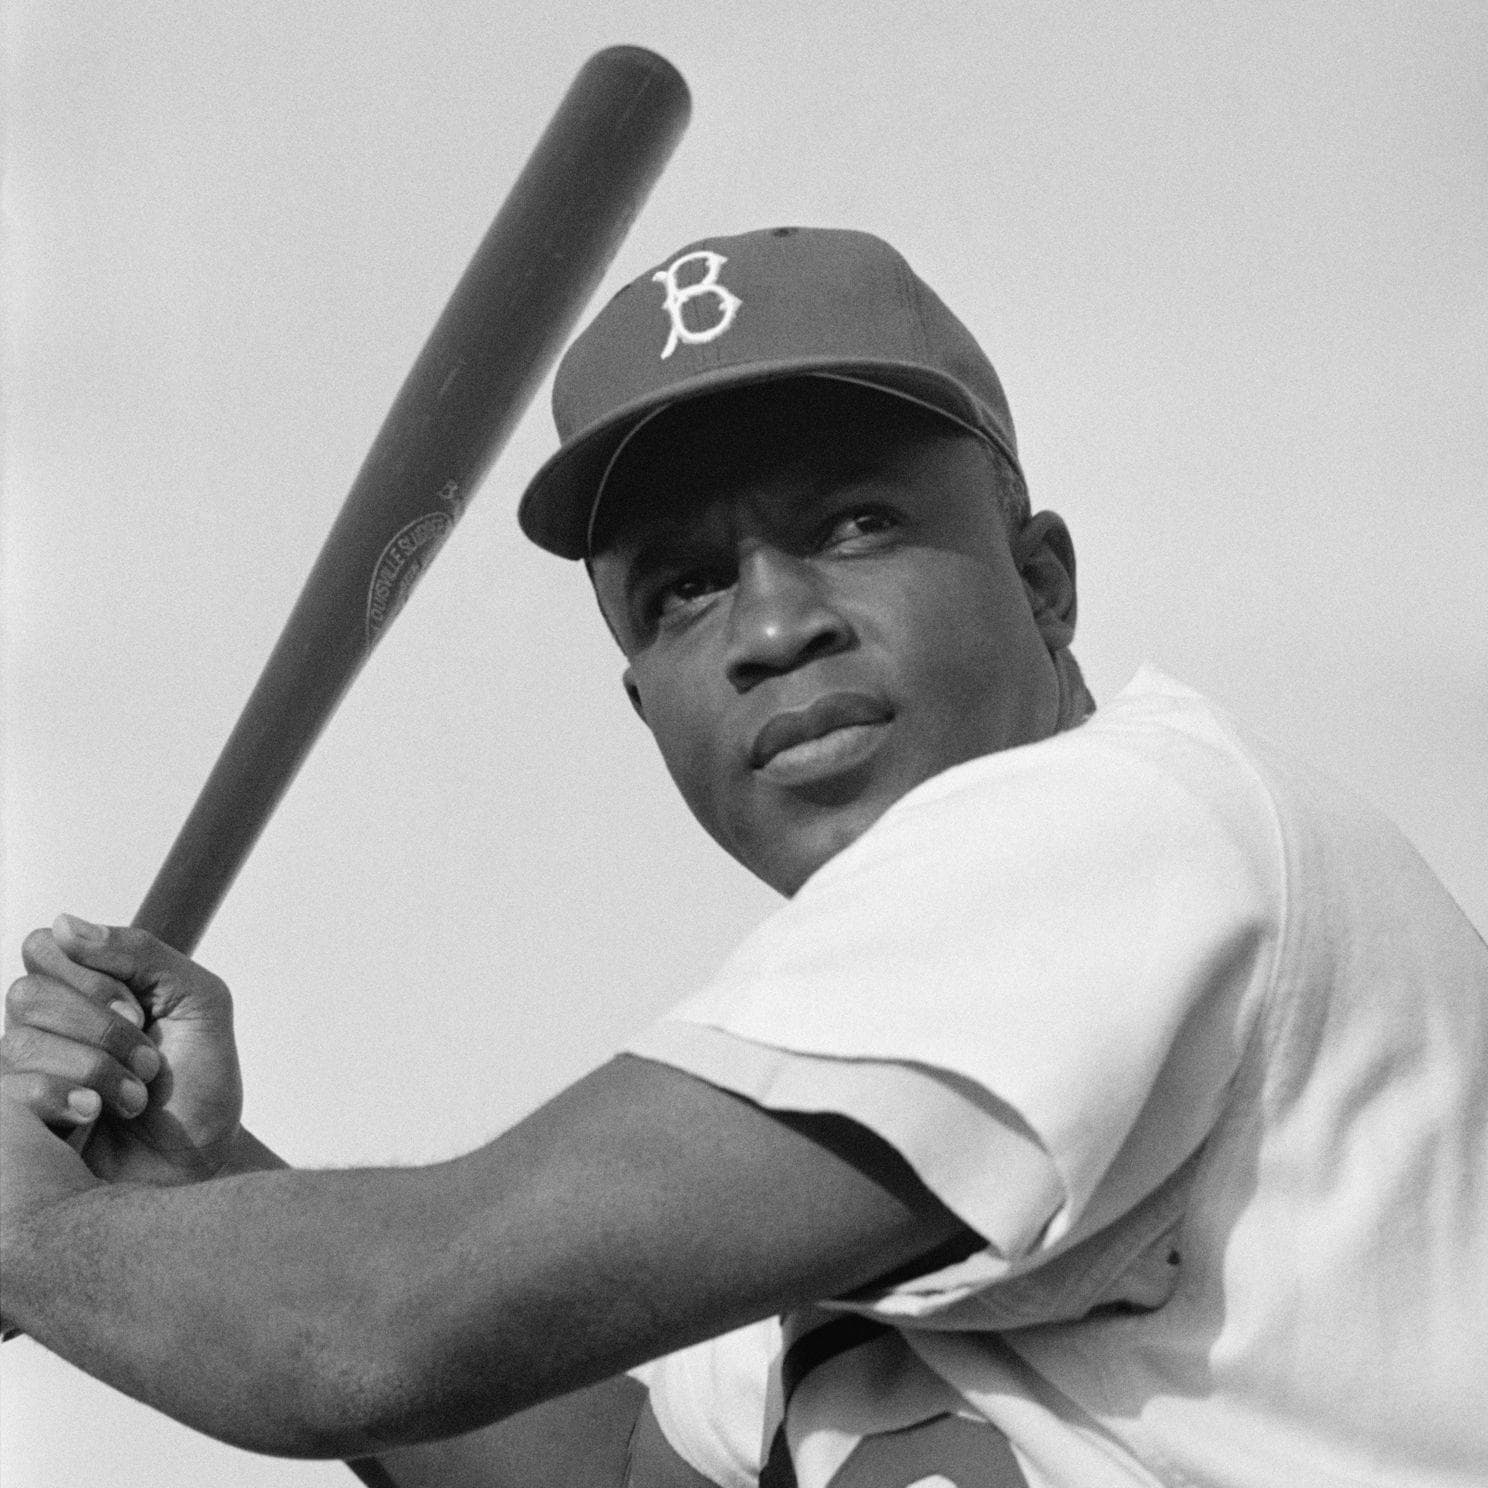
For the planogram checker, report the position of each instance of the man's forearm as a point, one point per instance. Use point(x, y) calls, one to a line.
point(276, 1310)
point(576, 1441)
point(411, 1467)
point(249, 1155)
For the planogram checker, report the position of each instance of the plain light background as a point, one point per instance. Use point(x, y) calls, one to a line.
point(1229, 261)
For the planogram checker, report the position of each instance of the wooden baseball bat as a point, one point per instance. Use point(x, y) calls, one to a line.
point(501, 331)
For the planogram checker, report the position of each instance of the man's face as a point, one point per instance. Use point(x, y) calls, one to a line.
point(820, 609)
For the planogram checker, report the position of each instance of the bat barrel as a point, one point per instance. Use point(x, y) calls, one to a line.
point(498, 336)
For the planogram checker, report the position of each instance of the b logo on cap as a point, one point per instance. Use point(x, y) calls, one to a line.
point(677, 295)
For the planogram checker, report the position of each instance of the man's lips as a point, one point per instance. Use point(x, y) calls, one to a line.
point(787, 732)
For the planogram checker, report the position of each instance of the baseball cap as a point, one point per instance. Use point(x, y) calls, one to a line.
point(730, 312)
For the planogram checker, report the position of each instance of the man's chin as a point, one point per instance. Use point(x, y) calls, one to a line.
point(812, 835)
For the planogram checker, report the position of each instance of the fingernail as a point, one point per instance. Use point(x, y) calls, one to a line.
point(129, 1012)
point(84, 930)
point(133, 1097)
point(84, 1104)
point(145, 1061)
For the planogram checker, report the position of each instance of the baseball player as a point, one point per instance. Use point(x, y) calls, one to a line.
point(1107, 1103)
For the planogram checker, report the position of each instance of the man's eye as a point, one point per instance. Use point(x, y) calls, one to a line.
point(861, 523)
point(679, 594)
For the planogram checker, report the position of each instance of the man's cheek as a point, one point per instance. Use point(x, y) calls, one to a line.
point(692, 763)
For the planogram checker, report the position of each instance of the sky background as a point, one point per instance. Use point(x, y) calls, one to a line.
point(1229, 261)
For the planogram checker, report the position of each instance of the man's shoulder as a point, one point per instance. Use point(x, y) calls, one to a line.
point(1159, 766)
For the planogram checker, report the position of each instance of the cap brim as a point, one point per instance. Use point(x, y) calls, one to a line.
point(556, 507)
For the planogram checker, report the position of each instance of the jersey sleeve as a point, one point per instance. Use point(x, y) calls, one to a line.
point(1034, 977)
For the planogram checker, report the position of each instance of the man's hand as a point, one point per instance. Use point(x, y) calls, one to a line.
point(115, 1025)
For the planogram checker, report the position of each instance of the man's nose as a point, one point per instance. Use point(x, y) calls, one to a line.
point(782, 617)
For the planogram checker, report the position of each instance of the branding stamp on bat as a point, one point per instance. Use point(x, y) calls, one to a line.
point(408, 553)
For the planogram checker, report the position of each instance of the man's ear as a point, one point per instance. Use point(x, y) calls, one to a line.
point(633, 692)
point(1045, 555)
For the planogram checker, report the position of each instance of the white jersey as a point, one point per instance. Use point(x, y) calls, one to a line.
point(1199, 1045)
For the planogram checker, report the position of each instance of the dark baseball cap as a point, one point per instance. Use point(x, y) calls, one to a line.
point(731, 312)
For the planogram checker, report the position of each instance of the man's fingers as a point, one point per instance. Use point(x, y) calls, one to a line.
point(133, 956)
point(60, 1040)
point(118, 951)
point(43, 956)
point(59, 1103)
point(44, 1069)
point(107, 961)
point(47, 1005)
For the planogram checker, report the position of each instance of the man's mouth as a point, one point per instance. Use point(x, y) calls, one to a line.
point(827, 737)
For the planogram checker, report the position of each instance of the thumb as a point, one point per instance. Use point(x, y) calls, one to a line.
point(78, 936)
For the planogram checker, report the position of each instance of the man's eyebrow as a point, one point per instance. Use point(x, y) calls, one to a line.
point(657, 546)
point(856, 467)
point(662, 543)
